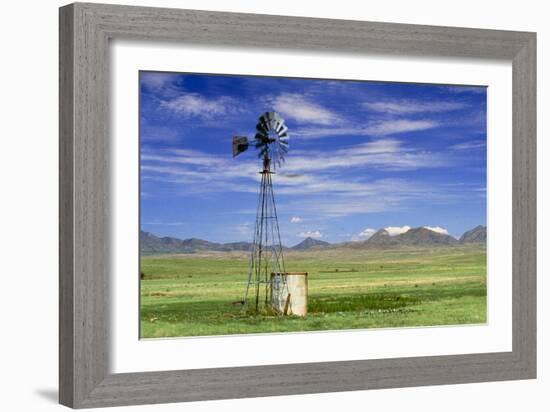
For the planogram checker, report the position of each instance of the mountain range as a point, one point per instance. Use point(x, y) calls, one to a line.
point(149, 243)
point(419, 236)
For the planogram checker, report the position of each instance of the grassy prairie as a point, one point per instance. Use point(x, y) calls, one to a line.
point(191, 295)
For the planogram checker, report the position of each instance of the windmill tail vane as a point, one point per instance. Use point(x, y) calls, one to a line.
point(266, 265)
point(240, 144)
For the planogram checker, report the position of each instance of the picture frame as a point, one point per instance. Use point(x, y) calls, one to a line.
point(84, 356)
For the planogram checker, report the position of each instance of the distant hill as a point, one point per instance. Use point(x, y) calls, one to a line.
point(413, 237)
point(309, 243)
point(149, 243)
point(477, 235)
point(381, 238)
point(424, 236)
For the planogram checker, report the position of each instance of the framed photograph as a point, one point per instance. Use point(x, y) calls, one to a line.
point(257, 205)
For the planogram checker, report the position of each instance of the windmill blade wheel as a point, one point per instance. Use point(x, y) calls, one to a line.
point(272, 138)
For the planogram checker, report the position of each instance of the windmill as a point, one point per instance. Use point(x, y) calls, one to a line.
point(267, 265)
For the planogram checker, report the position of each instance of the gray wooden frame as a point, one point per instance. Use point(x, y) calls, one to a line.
point(85, 31)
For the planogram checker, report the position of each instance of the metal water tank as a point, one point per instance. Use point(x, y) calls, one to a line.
point(289, 293)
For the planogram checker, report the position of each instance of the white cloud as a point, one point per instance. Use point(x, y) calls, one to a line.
point(476, 144)
point(297, 107)
point(185, 156)
point(437, 229)
point(412, 106)
point(313, 234)
point(295, 219)
point(194, 105)
point(397, 230)
point(343, 205)
point(376, 128)
point(156, 80)
point(367, 233)
point(387, 127)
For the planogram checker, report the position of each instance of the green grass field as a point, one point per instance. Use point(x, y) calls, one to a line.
point(192, 295)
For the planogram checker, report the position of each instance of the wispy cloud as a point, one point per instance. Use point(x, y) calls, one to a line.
point(343, 205)
point(388, 127)
point(314, 234)
point(185, 156)
point(378, 128)
point(387, 154)
point(298, 107)
point(315, 191)
point(472, 145)
point(195, 105)
point(157, 80)
point(412, 106)
point(320, 175)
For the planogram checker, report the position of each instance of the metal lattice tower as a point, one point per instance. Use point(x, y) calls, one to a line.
point(266, 256)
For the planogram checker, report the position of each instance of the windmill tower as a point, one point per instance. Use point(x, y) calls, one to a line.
point(267, 265)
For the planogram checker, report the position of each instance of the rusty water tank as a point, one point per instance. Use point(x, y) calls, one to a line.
point(289, 293)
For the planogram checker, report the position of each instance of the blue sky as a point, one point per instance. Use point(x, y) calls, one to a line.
point(363, 156)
